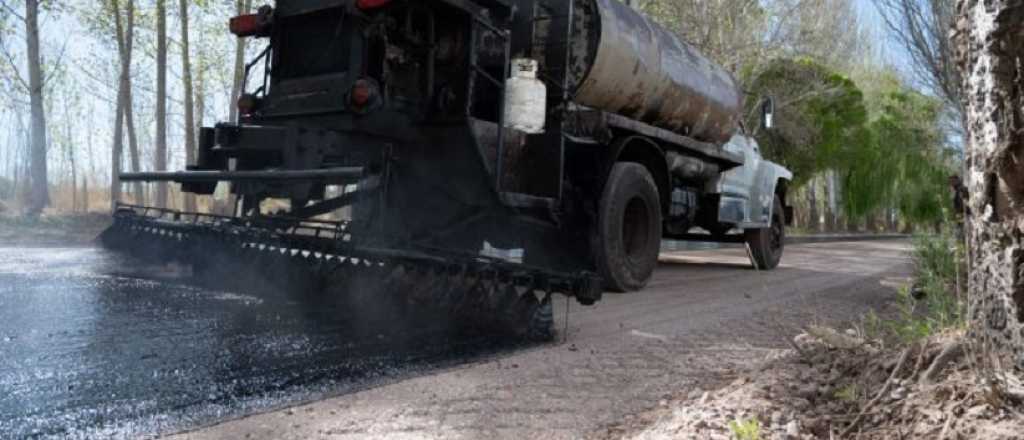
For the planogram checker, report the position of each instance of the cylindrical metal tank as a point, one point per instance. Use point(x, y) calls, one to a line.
point(622, 62)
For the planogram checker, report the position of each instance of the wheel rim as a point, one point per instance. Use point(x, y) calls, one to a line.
point(635, 228)
point(776, 236)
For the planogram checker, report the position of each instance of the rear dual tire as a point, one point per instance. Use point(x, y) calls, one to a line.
point(627, 236)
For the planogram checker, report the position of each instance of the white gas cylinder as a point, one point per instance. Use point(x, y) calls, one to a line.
point(525, 98)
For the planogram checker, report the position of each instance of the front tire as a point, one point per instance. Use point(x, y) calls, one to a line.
point(767, 244)
point(628, 233)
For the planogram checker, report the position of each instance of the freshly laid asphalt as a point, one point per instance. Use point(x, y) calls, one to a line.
point(92, 345)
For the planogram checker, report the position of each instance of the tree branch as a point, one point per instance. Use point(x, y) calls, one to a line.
point(12, 10)
point(14, 67)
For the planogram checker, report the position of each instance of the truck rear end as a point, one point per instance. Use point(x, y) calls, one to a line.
point(409, 139)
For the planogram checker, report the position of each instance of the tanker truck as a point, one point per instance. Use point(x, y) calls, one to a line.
point(483, 154)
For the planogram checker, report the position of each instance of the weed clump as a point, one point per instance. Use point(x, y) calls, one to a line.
point(935, 302)
point(745, 429)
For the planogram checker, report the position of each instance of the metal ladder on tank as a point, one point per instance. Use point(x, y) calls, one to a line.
point(481, 26)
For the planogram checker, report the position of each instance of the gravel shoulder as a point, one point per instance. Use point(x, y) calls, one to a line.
point(705, 319)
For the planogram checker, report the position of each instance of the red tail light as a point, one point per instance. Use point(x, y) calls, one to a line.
point(371, 4)
point(361, 93)
point(249, 25)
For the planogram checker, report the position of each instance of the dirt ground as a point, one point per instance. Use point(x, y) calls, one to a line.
point(861, 391)
point(705, 320)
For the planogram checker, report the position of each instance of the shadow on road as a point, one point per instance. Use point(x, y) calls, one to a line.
point(92, 345)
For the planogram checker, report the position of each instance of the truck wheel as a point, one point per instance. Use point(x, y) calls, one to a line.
point(766, 244)
point(628, 232)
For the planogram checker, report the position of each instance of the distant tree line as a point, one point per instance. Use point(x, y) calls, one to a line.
point(100, 85)
point(78, 79)
point(869, 147)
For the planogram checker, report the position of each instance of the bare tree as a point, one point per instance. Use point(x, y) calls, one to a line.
point(989, 49)
point(129, 105)
point(189, 106)
point(920, 28)
point(744, 35)
point(69, 151)
point(117, 148)
point(160, 162)
point(39, 196)
point(241, 7)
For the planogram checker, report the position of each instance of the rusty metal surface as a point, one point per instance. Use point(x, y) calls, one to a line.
point(626, 64)
point(683, 143)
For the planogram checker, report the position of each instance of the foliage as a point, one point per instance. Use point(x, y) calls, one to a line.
point(747, 429)
point(819, 115)
point(885, 145)
point(933, 304)
point(920, 28)
point(901, 162)
point(848, 393)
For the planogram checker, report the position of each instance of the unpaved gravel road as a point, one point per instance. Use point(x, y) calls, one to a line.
point(705, 316)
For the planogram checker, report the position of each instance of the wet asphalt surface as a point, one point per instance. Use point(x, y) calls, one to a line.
point(92, 345)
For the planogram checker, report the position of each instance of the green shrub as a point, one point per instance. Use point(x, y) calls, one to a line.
point(933, 304)
point(848, 393)
point(749, 429)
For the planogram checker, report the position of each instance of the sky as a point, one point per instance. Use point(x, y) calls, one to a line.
point(890, 51)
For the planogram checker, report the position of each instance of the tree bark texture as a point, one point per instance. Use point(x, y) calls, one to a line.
point(117, 148)
point(241, 7)
point(813, 218)
point(129, 117)
point(160, 155)
point(189, 106)
point(989, 39)
point(39, 195)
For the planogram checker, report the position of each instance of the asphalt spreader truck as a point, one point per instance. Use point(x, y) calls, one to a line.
point(480, 155)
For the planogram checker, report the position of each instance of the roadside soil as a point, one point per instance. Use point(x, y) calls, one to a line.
point(851, 389)
point(705, 320)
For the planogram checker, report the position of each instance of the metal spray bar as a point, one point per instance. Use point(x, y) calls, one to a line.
point(340, 173)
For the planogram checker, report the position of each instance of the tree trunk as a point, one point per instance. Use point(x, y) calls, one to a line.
point(117, 148)
point(85, 194)
point(160, 161)
point(71, 160)
point(224, 201)
point(21, 158)
point(129, 119)
point(199, 89)
point(990, 48)
point(241, 7)
point(186, 80)
point(813, 218)
point(90, 165)
point(39, 197)
point(831, 223)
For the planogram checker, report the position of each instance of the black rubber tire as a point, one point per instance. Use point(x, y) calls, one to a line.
point(627, 236)
point(767, 244)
